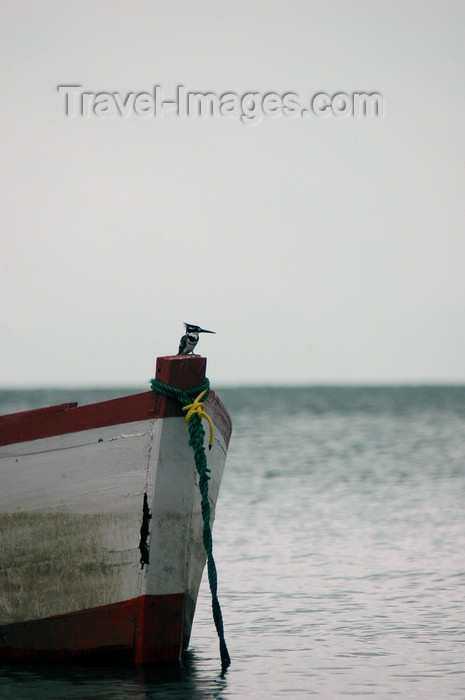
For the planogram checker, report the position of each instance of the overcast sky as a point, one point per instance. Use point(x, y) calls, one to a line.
point(325, 248)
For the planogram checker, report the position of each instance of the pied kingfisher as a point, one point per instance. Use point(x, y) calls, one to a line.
point(190, 339)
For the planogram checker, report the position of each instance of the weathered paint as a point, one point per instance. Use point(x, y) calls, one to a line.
point(54, 563)
point(93, 519)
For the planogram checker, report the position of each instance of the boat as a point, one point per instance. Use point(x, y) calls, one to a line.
point(103, 525)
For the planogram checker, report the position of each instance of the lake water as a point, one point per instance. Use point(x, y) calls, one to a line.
point(340, 548)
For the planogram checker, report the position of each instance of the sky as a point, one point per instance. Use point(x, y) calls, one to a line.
point(323, 248)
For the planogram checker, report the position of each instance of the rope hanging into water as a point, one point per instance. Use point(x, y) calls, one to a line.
point(190, 401)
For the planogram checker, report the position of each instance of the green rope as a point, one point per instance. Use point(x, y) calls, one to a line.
point(182, 396)
point(197, 435)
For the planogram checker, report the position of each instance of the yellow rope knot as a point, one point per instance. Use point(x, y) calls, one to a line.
point(197, 407)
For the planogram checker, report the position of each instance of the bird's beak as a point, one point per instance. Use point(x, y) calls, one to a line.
point(202, 330)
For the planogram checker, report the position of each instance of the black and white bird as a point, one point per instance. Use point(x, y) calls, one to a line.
point(190, 339)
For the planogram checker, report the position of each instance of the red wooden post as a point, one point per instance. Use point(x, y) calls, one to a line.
point(181, 372)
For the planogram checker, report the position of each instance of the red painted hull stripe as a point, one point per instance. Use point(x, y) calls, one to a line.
point(182, 372)
point(149, 628)
point(58, 420)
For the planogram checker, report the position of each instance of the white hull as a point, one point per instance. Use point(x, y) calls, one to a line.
point(99, 517)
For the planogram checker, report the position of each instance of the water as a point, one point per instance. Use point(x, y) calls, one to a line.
point(340, 547)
